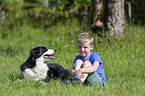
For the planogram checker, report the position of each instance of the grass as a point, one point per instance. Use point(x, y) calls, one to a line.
point(123, 61)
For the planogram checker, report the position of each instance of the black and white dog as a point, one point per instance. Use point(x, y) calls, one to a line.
point(35, 67)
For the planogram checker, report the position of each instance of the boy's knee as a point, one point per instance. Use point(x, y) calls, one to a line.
point(87, 64)
point(79, 61)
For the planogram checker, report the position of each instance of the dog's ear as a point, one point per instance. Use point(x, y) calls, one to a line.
point(34, 52)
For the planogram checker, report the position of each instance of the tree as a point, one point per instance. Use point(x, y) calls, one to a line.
point(113, 15)
point(96, 19)
point(113, 18)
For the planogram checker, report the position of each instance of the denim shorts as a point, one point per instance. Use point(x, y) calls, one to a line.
point(95, 80)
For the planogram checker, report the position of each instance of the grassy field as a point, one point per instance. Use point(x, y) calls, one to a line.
point(123, 60)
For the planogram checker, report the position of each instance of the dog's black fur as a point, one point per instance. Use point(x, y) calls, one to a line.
point(36, 68)
point(57, 71)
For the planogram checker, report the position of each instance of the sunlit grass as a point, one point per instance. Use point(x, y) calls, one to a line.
point(123, 62)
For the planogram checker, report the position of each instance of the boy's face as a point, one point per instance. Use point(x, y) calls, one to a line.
point(84, 49)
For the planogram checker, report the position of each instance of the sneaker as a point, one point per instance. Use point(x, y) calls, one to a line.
point(77, 81)
point(68, 82)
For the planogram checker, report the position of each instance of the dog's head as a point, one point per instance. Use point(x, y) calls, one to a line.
point(42, 52)
point(36, 58)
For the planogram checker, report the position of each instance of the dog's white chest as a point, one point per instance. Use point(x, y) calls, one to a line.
point(39, 72)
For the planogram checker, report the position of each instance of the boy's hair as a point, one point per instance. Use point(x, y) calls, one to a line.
point(85, 37)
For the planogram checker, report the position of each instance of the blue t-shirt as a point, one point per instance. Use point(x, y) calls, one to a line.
point(92, 58)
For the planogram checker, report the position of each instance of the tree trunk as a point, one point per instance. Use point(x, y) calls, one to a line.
point(113, 17)
point(96, 24)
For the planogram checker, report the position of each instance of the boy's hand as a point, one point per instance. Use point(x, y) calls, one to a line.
point(73, 72)
point(78, 73)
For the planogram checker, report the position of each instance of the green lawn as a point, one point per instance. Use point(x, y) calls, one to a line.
point(123, 60)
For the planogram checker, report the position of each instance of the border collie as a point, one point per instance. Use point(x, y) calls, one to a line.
point(35, 67)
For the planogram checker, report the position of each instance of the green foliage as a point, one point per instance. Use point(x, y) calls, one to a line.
point(19, 12)
point(13, 12)
point(34, 12)
point(123, 61)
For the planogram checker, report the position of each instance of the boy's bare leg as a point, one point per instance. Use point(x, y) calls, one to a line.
point(78, 64)
point(84, 75)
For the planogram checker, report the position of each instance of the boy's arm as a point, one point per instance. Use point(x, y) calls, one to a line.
point(89, 69)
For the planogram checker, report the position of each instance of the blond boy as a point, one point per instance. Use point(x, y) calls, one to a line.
point(88, 66)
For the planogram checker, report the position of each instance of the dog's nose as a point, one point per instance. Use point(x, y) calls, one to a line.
point(55, 51)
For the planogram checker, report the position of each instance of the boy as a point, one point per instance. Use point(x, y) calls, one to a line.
point(88, 66)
